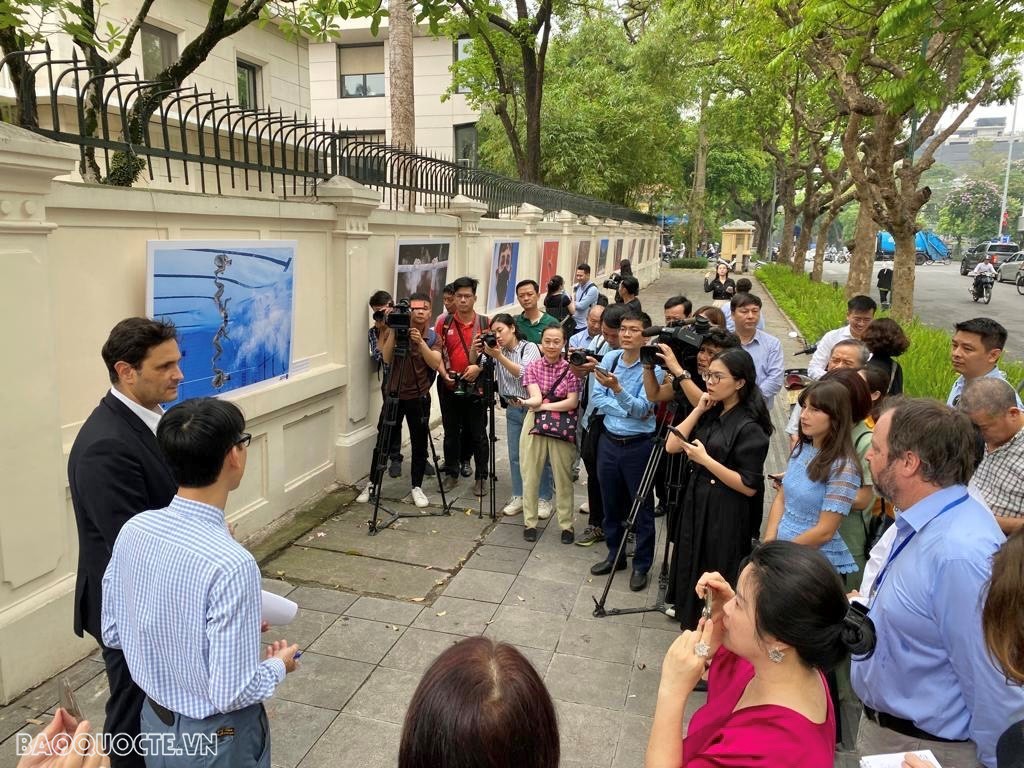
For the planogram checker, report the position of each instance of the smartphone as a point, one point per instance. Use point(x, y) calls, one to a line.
point(776, 476)
point(68, 702)
point(709, 603)
point(678, 434)
point(601, 369)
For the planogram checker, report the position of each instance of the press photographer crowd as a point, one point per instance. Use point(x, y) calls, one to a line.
point(877, 608)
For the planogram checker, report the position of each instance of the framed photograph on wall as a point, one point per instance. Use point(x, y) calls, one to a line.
point(548, 263)
point(232, 302)
point(421, 266)
point(583, 253)
point(618, 255)
point(602, 256)
point(504, 270)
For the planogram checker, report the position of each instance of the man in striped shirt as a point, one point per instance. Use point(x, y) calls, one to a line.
point(182, 599)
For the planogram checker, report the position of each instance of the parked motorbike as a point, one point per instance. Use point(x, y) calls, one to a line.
point(796, 379)
point(981, 288)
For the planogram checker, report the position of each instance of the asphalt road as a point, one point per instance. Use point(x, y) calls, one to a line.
point(941, 298)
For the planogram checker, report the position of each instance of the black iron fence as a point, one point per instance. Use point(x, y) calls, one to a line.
point(207, 142)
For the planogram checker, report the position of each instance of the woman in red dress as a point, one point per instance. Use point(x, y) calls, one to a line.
point(766, 647)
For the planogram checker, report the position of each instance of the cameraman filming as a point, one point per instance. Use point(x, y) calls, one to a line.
point(628, 293)
point(681, 380)
point(381, 303)
point(409, 380)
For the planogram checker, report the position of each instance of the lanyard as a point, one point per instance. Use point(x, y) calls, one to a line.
point(895, 553)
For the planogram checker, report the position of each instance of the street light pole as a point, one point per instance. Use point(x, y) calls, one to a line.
point(1009, 162)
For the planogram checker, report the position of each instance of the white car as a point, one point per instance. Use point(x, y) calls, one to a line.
point(1007, 271)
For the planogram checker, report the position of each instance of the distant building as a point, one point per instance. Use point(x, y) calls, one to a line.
point(956, 152)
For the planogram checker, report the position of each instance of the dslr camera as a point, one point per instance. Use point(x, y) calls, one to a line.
point(579, 357)
point(613, 281)
point(463, 387)
point(489, 338)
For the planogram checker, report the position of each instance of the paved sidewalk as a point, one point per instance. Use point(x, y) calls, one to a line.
point(376, 610)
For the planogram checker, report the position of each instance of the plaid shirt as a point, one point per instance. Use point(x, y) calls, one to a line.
point(544, 375)
point(998, 478)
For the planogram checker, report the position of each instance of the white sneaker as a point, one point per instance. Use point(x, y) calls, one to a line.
point(365, 494)
point(543, 509)
point(514, 506)
point(585, 508)
point(419, 498)
point(670, 612)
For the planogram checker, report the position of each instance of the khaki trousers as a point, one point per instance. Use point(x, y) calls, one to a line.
point(534, 451)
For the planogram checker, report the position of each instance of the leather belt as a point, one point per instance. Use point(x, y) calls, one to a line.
point(167, 717)
point(906, 727)
point(627, 440)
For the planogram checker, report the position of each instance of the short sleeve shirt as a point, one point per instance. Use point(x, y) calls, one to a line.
point(534, 331)
point(544, 375)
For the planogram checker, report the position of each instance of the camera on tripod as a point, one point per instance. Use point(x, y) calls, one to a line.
point(613, 281)
point(399, 318)
point(463, 387)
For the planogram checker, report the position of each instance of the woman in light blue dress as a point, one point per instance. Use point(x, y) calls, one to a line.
point(822, 478)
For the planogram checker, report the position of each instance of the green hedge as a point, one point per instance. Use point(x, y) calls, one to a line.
point(688, 264)
point(819, 307)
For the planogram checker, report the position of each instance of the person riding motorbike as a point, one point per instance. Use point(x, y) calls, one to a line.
point(981, 269)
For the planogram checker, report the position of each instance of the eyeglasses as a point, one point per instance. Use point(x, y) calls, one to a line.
point(714, 377)
point(244, 439)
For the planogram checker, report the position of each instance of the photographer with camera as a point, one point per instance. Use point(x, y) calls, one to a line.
point(584, 296)
point(582, 339)
point(582, 364)
point(679, 375)
point(624, 447)
point(463, 412)
point(928, 681)
point(381, 303)
point(628, 293)
point(408, 333)
point(506, 346)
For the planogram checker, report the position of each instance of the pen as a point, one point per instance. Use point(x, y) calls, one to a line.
point(298, 654)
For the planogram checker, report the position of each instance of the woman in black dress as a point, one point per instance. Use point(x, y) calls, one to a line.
point(557, 302)
point(886, 340)
point(730, 427)
point(721, 286)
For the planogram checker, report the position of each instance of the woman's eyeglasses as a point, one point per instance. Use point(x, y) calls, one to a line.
point(244, 439)
point(714, 377)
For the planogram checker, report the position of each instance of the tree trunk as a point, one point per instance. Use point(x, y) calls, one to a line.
point(700, 170)
point(819, 249)
point(532, 94)
point(862, 259)
point(762, 215)
point(21, 78)
point(803, 242)
point(903, 273)
point(787, 195)
point(400, 83)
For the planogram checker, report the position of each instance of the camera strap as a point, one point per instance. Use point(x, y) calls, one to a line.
point(895, 553)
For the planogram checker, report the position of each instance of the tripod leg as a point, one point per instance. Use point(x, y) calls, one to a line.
point(438, 474)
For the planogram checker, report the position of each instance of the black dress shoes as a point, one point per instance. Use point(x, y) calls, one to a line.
point(638, 581)
point(605, 567)
point(466, 470)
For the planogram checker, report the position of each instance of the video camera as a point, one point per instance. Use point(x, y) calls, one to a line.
point(685, 339)
point(613, 281)
point(399, 318)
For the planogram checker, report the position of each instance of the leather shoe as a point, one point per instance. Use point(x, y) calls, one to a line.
point(449, 482)
point(638, 581)
point(479, 489)
point(466, 469)
point(605, 567)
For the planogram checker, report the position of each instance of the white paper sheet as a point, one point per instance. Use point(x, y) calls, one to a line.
point(895, 759)
point(278, 610)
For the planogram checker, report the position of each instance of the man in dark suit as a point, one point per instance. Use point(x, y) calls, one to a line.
point(115, 471)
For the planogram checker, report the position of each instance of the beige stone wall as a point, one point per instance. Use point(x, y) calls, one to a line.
point(74, 260)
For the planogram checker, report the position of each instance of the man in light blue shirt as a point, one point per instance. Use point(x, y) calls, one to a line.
point(743, 285)
point(585, 295)
point(930, 683)
point(182, 599)
point(624, 447)
point(582, 339)
point(763, 347)
point(976, 348)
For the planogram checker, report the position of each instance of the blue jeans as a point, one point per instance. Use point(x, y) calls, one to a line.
point(513, 429)
point(620, 468)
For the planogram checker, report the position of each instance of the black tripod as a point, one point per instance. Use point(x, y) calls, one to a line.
point(646, 484)
point(391, 421)
point(490, 389)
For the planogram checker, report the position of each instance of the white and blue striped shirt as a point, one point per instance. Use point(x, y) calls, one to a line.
point(182, 599)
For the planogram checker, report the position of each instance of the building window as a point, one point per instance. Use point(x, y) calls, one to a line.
point(159, 50)
point(361, 70)
point(248, 84)
point(461, 50)
point(465, 145)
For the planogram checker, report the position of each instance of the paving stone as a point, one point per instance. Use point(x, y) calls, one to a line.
point(416, 649)
point(47, 695)
point(304, 629)
point(540, 658)
point(457, 525)
point(508, 536)
point(599, 639)
point(642, 695)
point(294, 728)
point(653, 645)
point(498, 559)
point(326, 600)
point(588, 681)
point(541, 595)
point(318, 567)
point(385, 695)
point(456, 616)
point(356, 741)
point(588, 734)
point(555, 568)
point(519, 626)
point(583, 607)
point(277, 586)
point(390, 544)
point(388, 611)
point(657, 620)
point(13, 719)
point(485, 586)
point(358, 639)
point(632, 746)
point(323, 681)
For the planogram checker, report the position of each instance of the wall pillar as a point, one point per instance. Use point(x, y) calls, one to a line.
point(349, 266)
point(470, 248)
point(37, 549)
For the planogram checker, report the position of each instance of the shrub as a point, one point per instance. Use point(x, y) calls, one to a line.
point(688, 264)
point(819, 307)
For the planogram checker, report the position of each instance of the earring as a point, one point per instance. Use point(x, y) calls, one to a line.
point(776, 656)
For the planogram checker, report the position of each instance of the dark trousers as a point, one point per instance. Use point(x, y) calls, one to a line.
point(621, 467)
point(239, 739)
point(588, 451)
point(883, 295)
point(416, 413)
point(464, 419)
point(124, 707)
